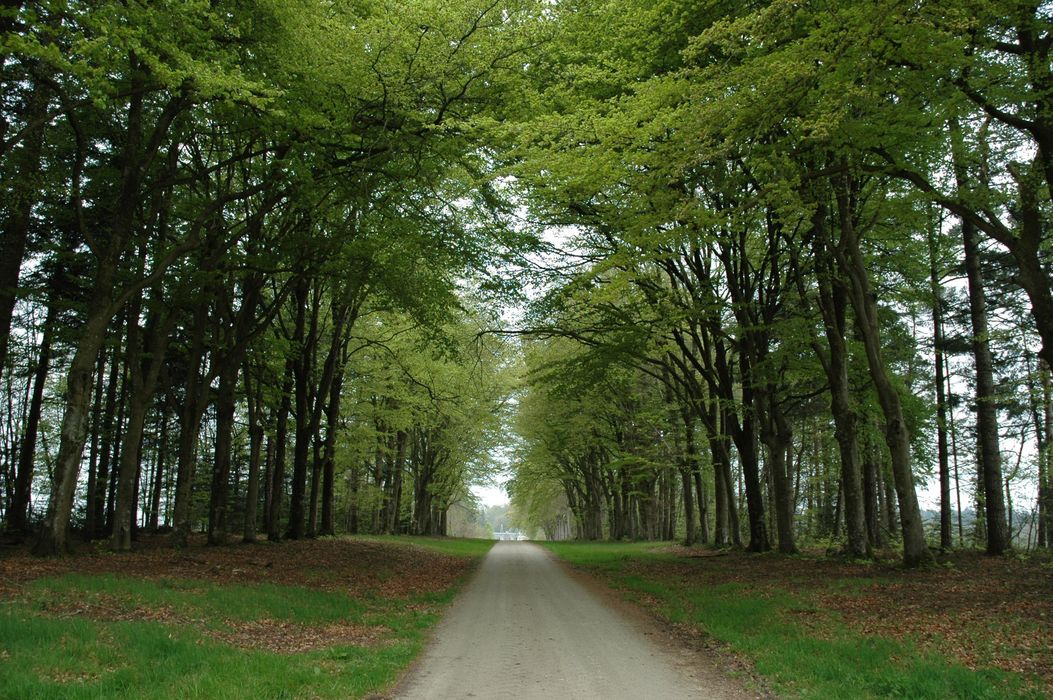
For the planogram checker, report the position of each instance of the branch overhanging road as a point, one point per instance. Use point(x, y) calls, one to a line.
point(523, 628)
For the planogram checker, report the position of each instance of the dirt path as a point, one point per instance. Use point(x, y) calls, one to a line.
point(523, 628)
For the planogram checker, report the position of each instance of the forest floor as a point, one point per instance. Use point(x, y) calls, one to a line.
point(815, 626)
point(333, 617)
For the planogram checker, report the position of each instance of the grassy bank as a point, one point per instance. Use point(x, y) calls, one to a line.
point(329, 618)
point(816, 628)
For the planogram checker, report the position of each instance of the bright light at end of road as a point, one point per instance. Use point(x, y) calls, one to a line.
point(491, 495)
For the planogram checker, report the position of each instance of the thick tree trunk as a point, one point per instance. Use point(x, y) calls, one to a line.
point(745, 440)
point(832, 303)
point(776, 436)
point(53, 534)
point(986, 409)
point(145, 373)
point(194, 404)
point(850, 258)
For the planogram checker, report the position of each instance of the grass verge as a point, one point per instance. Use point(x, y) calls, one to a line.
point(816, 628)
point(333, 618)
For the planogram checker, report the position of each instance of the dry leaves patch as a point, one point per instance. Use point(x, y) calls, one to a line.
point(358, 568)
point(291, 638)
point(354, 566)
point(981, 611)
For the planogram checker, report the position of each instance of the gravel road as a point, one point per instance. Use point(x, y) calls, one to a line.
point(524, 628)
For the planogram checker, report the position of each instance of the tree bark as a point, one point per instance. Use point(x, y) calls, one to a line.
point(943, 456)
point(989, 452)
point(301, 378)
point(832, 305)
point(225, 405)
point(328, 469)
point(281, 441)
point(897, 436)
point(776, 436)
point(252, 491)
point(194, 403)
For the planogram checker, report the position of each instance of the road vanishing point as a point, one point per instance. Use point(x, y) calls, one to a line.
point(524, 628)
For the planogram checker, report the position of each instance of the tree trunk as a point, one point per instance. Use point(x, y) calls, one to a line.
point(301, 378)
point(332, 419)
point(316, 478)
point(943, 456)
point(871, 499)
point(776, 436)
point(53, 534)
point(95, 447)
point(225, 405)
point(252, 491)
point(154, 521)
point(144, 373)
point(17, 515)
point(832, 305)
point(128, 467)
point(850, 258)
point(990, 456)
point(745, 440)
point(391, 526)
point(1046, 488)
point(95, 525)
point(281, 441)
point(194, 404)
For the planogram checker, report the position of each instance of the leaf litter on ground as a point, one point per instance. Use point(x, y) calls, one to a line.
point(385, 572)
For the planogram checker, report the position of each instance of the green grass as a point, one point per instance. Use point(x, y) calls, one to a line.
point(197, 600)
point(77, 658)
point(47, 652)
point(824, 659)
